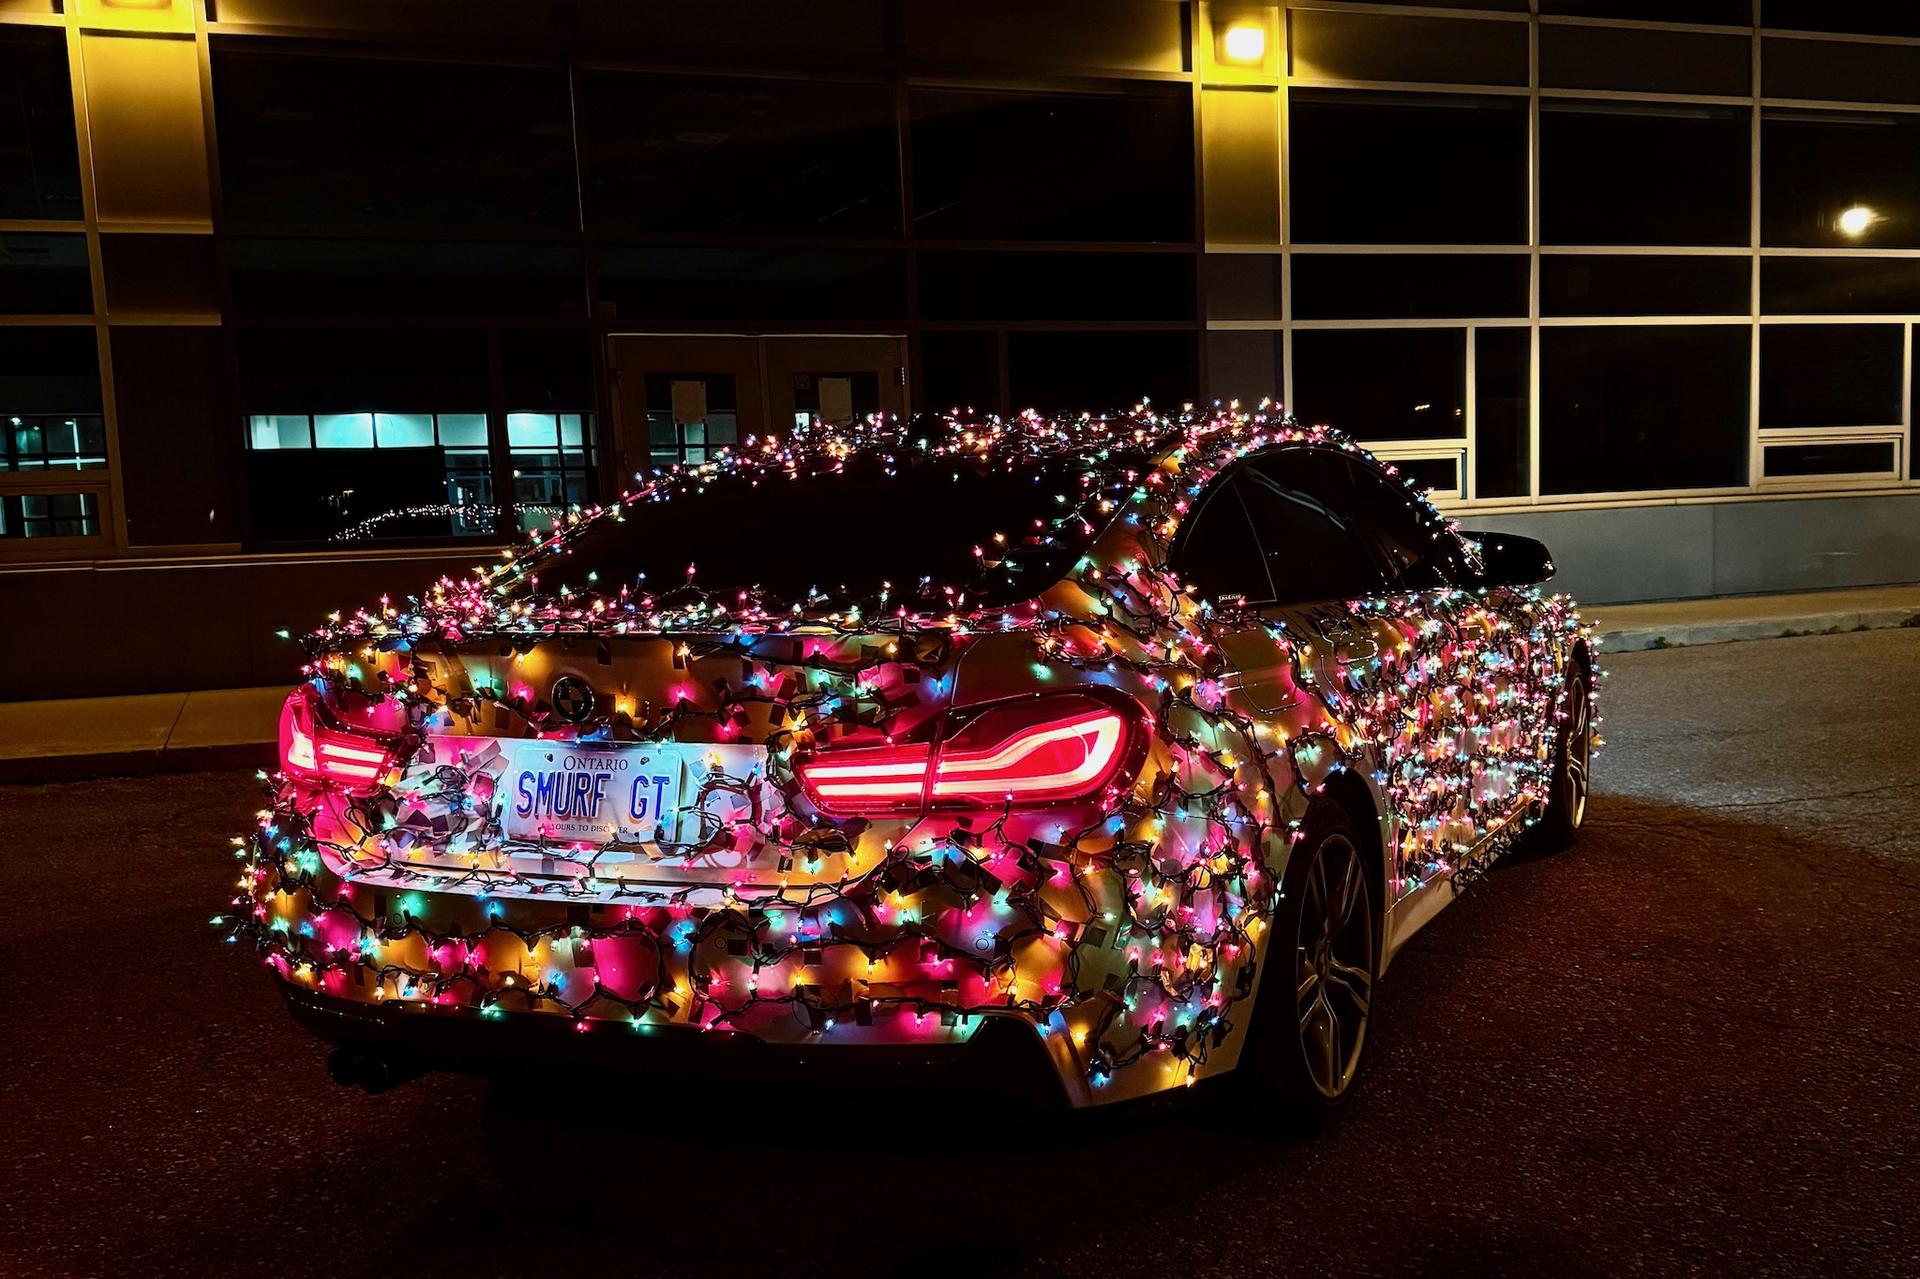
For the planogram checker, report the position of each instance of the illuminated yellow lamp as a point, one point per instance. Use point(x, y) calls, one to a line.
point(1244, 43)
point(1854, 221)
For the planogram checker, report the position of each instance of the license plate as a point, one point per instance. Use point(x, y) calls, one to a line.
point(617, 792)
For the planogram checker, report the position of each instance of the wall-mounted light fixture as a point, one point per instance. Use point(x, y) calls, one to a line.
point(1245, 43)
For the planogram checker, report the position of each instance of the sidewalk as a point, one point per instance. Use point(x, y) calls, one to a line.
point(148, 733)
point(236, 727)
point(1622, 627)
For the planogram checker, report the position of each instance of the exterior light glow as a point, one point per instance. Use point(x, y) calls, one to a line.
point(1856, 220)
point(1245, 42)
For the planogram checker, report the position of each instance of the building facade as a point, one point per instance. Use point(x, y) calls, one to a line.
point(302, 301)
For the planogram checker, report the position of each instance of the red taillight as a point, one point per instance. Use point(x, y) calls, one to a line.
point(315, 751)
point(867, 779)
point(1038, 750)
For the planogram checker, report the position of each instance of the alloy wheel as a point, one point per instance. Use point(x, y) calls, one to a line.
point(1333, 973)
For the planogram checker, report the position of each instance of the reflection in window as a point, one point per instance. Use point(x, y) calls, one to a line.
point(1440, 168)
point(54, 442)
point(690, 417)
point(1641, 173)
point(552, 457)
point(351, 476)
point(49, 515)
point(835, 398)
point(1628, 407)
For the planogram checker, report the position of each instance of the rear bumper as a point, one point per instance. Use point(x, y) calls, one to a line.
point(1003, 1056)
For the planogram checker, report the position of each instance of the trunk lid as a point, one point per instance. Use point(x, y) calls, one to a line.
point(653, 765)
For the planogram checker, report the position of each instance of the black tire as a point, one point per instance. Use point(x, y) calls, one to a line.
point(1572, 783)
point(1315, 1006)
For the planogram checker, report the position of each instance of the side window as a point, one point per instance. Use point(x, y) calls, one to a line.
point(1416, 554)
point(1299, 507)
point(1216, 553)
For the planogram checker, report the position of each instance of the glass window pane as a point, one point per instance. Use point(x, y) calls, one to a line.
point(995, 165)
point(1072, 372)
point(532, 430)
point(403, 277)
point(1245, 365)
point(1141, 35)
point(1626, 408)
point(739, 157)
point(1242, 286)
point(343, 430)
point(281, 431)
point(403, 430)
point(1430, 473)
point(1302, 506)
point(44, 274)
point(1645, 61)
point(1839, 286)
point(1856, 17)
point(39, 153)
point(1441, 168)
point(1383, 384)
point(1642, 173)
point(1215, 551)
point(727, 286)
point(960, 371)
point(341, 492)
point(1841, 71)
point(570, 437)
point(52, 442)
point(1503, 6)
point(1738, 13)
point(49, 515)
point(1330, 45)
point(1867, 457)
point(1387, 286)
point(463, 429)
point(1830, 374)
point(378, 142)
point(1840, 179)
point(1502, 360)
point(1619, 284)
point(1056, 286)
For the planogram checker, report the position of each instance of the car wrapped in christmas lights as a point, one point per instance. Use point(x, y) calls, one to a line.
point(1138, 744)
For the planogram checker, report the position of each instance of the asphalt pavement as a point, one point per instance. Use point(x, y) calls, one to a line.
point(1686, 1045)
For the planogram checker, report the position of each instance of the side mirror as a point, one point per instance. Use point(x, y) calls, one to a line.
point(1512, 560)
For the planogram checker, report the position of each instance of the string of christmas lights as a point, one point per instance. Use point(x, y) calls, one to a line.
point(1124, 927)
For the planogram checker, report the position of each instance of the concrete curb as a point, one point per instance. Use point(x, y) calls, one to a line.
point(180, 759)
point(1680, 635)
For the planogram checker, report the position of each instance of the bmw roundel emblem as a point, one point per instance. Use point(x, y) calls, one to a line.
point(572, 698)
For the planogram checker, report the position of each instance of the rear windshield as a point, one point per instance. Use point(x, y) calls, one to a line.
point(912, 529)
